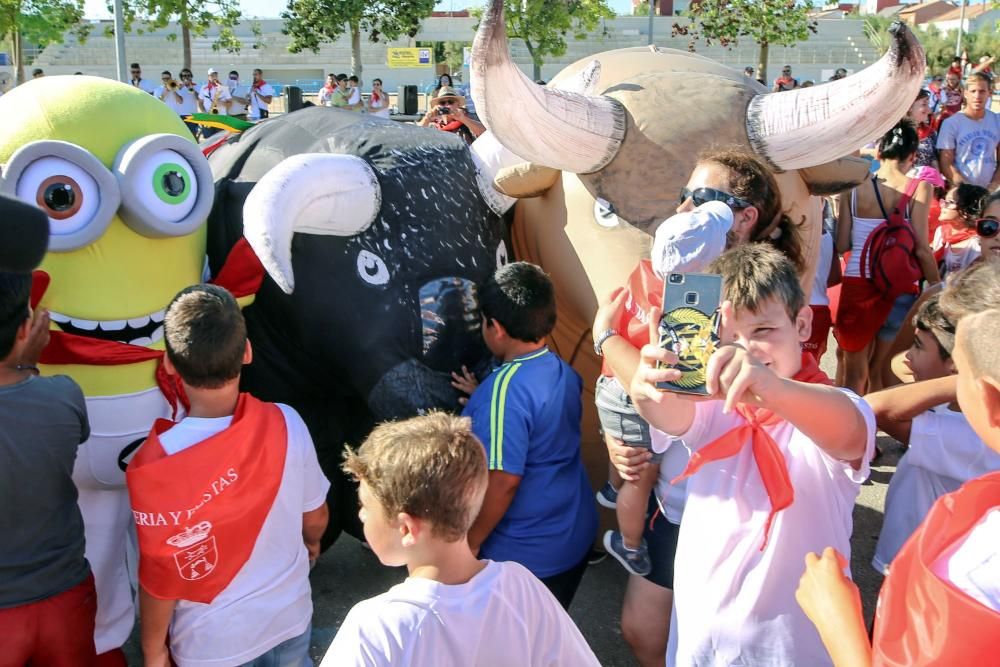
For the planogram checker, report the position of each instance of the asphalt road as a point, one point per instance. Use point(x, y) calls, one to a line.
point(348, 573)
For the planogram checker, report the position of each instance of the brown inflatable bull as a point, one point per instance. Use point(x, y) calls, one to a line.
point(596, 158)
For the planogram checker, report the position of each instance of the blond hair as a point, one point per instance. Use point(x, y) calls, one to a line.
point(972, 290)
point(978, 336)
point(755, 272)
point(431, 467)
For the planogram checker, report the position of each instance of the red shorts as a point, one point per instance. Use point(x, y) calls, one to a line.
point(822, 321)
point(861, 312)
point(57, 631)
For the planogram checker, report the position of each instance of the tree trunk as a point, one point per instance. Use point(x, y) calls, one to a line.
point(186, 45)
point(356, 52)
point(536, 62)
point(18, 56)
point(762, 64)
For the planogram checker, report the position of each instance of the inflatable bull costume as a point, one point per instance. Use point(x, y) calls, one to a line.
point(597, 157)
point(374, 234)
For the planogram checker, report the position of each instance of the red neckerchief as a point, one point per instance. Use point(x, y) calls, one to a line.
point(211, 84)
point(242, 275)
point(329, 88)
point(951, 236)
point(376, 97)
point(257, 85)
point(770, 461)
point(452, 126)
point(921, 619)
point(198, 512)
point(924, 131)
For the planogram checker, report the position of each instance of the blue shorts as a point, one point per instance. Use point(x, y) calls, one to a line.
point(618, 415)
point(661, 540)
point(900, 307)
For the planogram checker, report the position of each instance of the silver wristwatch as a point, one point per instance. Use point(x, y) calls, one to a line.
point(599, 341)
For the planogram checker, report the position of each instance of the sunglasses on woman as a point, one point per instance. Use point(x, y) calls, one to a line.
point(987, 227)
point(699, 196)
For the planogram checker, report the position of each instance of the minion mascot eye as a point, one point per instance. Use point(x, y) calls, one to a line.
point(166, 185)
point(77, 193)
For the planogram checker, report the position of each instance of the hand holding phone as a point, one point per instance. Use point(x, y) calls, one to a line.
point(689, 328)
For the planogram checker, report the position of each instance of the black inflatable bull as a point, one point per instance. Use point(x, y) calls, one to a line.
point(373, 235)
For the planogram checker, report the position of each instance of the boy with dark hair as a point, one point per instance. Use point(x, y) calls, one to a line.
point(47, 598)
point(538, 509)
point(778, 456)
point(229, 505)
point(422, 482)
point(943, 451)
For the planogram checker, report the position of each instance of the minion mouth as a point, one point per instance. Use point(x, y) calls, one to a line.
point(142, 331)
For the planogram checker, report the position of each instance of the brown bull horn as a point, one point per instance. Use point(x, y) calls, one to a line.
point(556, 128)
point(812, 126)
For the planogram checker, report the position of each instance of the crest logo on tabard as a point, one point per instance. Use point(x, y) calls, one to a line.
point(197, 554)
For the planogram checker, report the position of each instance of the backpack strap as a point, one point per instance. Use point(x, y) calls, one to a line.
point(878, 198)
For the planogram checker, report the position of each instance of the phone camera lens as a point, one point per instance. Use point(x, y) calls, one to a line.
point(691, 298)
point(676, 278)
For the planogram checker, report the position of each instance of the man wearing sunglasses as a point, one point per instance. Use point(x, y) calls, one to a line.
point(968, 141)
point(189, 103)
point(785, 81)
point(137, 80)
point(447, 113)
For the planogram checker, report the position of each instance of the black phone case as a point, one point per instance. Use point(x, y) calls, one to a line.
point(690, 327)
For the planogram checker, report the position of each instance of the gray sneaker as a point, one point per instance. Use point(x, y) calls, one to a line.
point(607, 496)
point(637, 562)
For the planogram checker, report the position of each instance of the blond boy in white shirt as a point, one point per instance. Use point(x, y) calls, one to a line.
point(778, 455)
point(422, 482)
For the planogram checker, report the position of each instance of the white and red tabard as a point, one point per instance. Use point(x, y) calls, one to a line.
point(198, 512)
point(921, 619)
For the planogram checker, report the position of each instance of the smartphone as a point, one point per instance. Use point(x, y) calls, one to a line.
point(690, 327)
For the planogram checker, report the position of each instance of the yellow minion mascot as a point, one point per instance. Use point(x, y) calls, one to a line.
point(127, 193)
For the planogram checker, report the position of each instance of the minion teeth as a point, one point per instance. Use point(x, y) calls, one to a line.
point(144, 330)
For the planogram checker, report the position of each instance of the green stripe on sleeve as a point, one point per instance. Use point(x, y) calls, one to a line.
point(497, 443)
point(494, 403)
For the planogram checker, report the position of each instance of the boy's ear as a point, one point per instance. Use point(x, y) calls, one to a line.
point(803, 323)
point(168, 366)
point(410, 529)
point(989, 394)
point(247, 353)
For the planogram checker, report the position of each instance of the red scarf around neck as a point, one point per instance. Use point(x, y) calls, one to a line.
point(257, 85)
point(766, 453)
point(198, 512)
point(242, 275)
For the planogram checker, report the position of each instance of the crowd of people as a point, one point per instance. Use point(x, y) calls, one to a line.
point(734, 511)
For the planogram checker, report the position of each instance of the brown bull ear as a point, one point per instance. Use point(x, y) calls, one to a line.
point(836, 176)
point(525, 180)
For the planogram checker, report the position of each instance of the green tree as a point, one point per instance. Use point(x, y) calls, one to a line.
point(310, 23)
point(766, 22)
point(938, 45)
point(194, 17)
point(544, 24)
point(38, 22)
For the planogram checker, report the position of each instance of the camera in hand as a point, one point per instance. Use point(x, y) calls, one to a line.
point(443, 111)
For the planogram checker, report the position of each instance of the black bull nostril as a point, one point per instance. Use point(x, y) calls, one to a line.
point(449, 312)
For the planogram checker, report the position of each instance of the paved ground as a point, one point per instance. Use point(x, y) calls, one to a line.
point(348, 573)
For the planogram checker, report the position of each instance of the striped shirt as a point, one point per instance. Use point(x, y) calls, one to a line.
point(527, 414)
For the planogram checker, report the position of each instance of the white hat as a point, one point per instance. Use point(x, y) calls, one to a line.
point(212, 70)
point(688, 242)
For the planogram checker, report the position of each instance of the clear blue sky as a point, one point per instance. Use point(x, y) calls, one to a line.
point(97, 9)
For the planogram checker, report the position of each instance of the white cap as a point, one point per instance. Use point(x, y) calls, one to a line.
point(212, 70)
point(688, 242)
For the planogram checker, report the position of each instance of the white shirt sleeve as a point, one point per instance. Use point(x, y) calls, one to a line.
point(946, 135)
point(315, 485)
point(943, 442)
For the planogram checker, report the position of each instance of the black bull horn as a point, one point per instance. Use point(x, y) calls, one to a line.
point(582, 133)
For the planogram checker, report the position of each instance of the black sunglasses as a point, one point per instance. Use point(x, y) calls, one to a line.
point(987, 227)
point(701, 195)
point(446, 103)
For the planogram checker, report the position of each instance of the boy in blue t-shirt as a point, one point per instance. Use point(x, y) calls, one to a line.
point(539, 508)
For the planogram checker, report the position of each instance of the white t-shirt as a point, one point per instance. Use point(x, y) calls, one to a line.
point(269, 601)
point(818, 296)
point(975, 145)
point(257, 104)
point(502, 616)
point(355, 95)
point(236, 108)
point(973, 564)
point(734, 604)
point(957, 256)
point(145, 85)
point(672, 497)
point(944, 453)
point(325, 95)
point(189, 105)
point(222, 94)
point(169, 99)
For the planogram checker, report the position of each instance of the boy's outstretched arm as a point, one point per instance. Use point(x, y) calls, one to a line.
point(833, 603)
point(666, 411)
point(499, 495)
point(154, 621)
point(896, 407)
